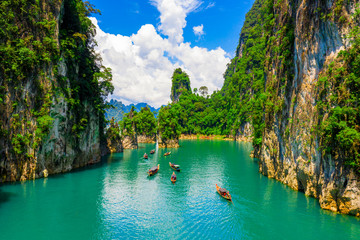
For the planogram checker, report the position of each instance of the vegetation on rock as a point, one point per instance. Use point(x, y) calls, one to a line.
point(47, 57)
point(180, 84)
point(145, 122)
point(338, 104)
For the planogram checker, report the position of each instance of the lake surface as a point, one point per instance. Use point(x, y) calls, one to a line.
point(117, 200)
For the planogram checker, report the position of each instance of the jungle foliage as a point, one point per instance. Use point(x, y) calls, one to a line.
point(35, 39)
point(339, 95)
point(180, 84)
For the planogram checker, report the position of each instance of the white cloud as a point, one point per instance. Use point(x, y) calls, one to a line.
point(141, 63)
point(172, 16)
point(198, 30)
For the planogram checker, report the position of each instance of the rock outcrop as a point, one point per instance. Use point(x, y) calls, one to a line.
point(304, 39)
point(129, 135)
point(168, 143)
point(130, 142)
point(296, 158)
point(146, 139)
point(244, 133)
point(49, 122)
point(114, 141)
point(180, 83)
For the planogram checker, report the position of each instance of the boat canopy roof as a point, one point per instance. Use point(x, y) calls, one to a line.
point(153, 169)
point(223, 190)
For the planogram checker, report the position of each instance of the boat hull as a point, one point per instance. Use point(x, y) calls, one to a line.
point(176, 169)
point(227, 197)
point(152, 173)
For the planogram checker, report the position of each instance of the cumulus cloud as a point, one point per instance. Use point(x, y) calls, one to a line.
point(198, 30)
point(172, 16)
point(143, 63)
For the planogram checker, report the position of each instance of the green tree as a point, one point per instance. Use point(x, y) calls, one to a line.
point(203, 91)
point(145, 122)
point(169, 127)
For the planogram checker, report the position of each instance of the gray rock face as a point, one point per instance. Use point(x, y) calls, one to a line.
point(61, 149)
point(295, 159)
point(245, 132)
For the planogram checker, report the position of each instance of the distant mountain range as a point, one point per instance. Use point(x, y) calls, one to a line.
point(120, 109)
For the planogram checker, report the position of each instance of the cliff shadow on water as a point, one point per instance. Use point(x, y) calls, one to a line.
point(5, 196)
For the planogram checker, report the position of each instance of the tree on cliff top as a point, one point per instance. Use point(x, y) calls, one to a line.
point(180, 84)
point(169, 127)
point(203, 91)
point(145, 122)
point(128, 125)
point(113, 132)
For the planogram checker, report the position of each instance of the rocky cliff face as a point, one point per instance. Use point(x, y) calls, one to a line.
point(245, 133)
point(114, 140)
point(304, 39)
point(168, 143)
point(115, 145)
point(180, 83)
point(48, 124)
point(146, 139)
point(130, 142)
point(129, 135)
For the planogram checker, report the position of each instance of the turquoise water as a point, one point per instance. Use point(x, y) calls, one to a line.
point(116, 200)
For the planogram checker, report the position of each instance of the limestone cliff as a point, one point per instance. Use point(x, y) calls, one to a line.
point(128, 130)
point(146, 139)
point(304, 42)
point(180, 83)
point(168, 143)
point(113, 137)
point(51, 89)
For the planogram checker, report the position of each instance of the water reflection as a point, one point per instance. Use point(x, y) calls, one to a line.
point(117, 200)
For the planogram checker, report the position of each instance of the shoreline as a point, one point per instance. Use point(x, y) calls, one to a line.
point(204, 137)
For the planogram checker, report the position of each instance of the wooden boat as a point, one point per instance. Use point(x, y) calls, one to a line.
point(154, 170)
point(223, 192)
point(175, 167)
point(173, 177)
point(146, 156)
point(167, 154)
point(152, 151)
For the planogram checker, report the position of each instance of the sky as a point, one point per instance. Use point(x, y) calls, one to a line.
point(143, 41)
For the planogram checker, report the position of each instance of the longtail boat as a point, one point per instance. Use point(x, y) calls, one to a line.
point(152, 151)
point(173, 177)
point(154, 170)
point(175, 167)
point(223, 192)
point(167, 154)
point(146, 156)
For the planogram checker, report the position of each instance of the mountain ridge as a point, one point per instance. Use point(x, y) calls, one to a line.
point(118, 109)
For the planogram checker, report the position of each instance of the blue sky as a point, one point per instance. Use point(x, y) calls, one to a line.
point(144, 40)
